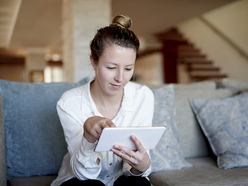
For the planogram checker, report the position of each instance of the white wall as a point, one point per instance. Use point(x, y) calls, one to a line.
point(231, 20)
point(78, 31)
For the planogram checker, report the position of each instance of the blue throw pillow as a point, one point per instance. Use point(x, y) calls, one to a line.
point(34, 138)
point(168, 154)
point(225, 124)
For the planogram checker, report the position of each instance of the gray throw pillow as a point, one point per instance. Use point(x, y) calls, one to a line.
point(168, 154)
point(225, 124)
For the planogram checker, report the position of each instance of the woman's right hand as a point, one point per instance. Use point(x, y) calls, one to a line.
point(93, 127)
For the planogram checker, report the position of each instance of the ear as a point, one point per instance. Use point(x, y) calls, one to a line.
point(92, 61)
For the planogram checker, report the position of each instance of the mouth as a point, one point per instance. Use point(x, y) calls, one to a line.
point(115, 86)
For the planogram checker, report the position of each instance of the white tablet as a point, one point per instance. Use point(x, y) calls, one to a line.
point(148, 136)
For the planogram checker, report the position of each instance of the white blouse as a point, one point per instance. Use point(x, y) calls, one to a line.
point(74, 108)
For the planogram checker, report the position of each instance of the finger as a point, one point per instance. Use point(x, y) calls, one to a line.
point(106, 123)
point(138, 145)
point(132, 155)
point(110, 123)
point(96, 131)
point(103, 124)
point(96, 134)
point(124, 152)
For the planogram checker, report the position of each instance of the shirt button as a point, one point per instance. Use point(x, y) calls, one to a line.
point(107, 176)
point(110, 164)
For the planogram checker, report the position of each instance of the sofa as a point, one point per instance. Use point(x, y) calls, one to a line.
point(205, 143)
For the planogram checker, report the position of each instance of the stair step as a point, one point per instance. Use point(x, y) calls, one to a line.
point(187, 48)
point(214, 73)
point(203, 68)
point(191, 54)
point(195, 61)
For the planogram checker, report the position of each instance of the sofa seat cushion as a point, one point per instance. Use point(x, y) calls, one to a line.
point(33, 181)
point(203, 172)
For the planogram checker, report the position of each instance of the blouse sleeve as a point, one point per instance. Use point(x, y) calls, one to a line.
point(82, 156)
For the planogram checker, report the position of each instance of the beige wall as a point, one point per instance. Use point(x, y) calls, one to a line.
point(149, 69)
point(231, 21)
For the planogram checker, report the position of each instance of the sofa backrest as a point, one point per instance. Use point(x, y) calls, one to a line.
point(34, 139)
point(192, 140)
point(2, 147)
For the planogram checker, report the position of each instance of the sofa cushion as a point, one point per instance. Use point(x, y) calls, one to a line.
point(225, 124)
point(33, 181)
point(2, 147)
point(191, 137)
point(168, 154)
point(234, 85)
point(203, 172)
point(34, 138)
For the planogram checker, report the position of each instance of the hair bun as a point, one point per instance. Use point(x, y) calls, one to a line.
point(123, 21)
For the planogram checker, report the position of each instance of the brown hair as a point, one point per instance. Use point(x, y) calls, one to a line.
point(116, 33)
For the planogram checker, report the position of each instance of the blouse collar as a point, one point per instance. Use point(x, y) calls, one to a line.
point(126, 105)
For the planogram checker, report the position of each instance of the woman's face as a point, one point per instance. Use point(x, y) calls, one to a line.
point(114, 68)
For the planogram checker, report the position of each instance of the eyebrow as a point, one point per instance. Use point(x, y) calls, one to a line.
point(117, 64)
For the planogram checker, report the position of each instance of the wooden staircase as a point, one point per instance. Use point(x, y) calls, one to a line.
point(197, 65)
point(177, 51)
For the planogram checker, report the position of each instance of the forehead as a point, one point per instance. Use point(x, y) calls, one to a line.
point(114, 53)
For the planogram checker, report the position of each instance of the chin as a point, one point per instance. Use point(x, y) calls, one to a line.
point(112, 92)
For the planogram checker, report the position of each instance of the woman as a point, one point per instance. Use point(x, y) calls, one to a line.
point(110, 100)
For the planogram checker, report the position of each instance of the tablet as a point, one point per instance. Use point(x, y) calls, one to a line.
point(148, 136)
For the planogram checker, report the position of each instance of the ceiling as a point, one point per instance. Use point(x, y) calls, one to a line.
point(37, 23)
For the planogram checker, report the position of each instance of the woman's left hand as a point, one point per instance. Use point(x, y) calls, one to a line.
point(139, 159)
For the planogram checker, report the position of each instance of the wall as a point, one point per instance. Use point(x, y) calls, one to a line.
point(231, 22)
point(17, 72)
point(35, 64)
point(80, 23)
point(148, 69)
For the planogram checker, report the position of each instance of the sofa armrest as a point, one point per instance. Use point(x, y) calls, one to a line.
point(2, 148)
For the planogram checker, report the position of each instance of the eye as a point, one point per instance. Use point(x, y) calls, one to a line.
point(128, 69)
point(111, 68)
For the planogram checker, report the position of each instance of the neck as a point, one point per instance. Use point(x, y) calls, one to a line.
point(102, 99)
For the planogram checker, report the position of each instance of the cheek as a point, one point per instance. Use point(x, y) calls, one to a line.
point(129, 75)
point(104, 75)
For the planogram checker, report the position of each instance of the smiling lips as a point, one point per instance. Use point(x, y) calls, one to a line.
point(115, 86)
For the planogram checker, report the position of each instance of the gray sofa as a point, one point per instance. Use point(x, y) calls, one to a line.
point(32, 143)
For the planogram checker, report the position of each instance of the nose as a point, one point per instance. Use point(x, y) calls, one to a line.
point(119, 75)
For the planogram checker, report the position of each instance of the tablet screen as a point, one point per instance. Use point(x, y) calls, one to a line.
point(148, 136)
